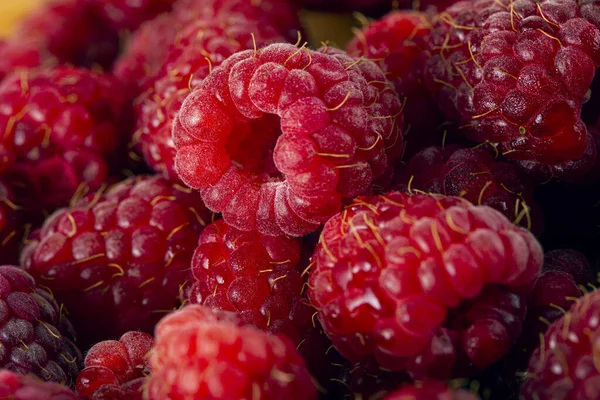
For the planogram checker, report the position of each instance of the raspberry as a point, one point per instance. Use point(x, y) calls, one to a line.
point(118, 259)
point(563, 367)
point(21, 55)
point(20, 387)
point(518, 75)
point(129, 15)
point(430, 390)
point(431, 284)
point(232, 363)
point(35, 338)
point(116, 369)
point(473, 174)
point(345, 5)
point(396, 43)
point(12, 225)
point(341, 132)
point(62, 128)
point(201, 46)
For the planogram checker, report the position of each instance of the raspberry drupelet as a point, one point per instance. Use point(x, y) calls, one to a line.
point(518, 75)
point(430, 390)
point(473, 174)
point(431, 284)
point(21, 387)
point(200, 354)
point(35, 337)
point(63, 129)
point(200, 47)
point(119, 259)
point(116, 370)
point(331, 128)
point(564, 366)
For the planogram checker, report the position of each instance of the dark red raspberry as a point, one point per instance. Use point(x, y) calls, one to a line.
point(12, 225)
point(345, 5)
point(200, 354)
point(129, 15)
point(63, 129)
point(570, 261)
point(119, 259)
point(21, 387)
point(21, 55)
point(70, 32)
point(395, 42)
point(430, 390)
point(200, 47)
point(35, 337)
point(473, 174)
point(341, 128)
point(431, 284)
point(518, 75)
point(116, 370)
point(564, 366)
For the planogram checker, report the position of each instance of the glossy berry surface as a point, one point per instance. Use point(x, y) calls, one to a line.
point(518, 74)
point(119, 259)
point(475, 175)
point(430, 390)
point(200, 47)
point(330, 127)
point(116, 369)
point(231, 363)
point(20, 387)
point(564, 364)
point(63, 131)
point(427, 283)
point(35, 336)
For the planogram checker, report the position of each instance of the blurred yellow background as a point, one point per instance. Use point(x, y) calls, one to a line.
point(11, 11)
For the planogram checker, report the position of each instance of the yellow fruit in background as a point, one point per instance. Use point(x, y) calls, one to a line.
point(11, 11)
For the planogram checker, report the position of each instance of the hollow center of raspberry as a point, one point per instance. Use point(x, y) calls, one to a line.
point(250, 147)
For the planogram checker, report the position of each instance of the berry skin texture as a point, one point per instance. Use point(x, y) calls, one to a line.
point(21, 387)
point(12, 224)
point(231, 363)
point(63, 128)
point(129, 15)
point(35, 337)
point(201, 46)
point(431, 284)
point(563, 366)
point(430, 390)
point(119, 259)
point(116, 369)
point(518, 75)
point(341, 130)
point(473, 174)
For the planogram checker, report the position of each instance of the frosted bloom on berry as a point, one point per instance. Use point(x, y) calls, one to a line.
point(431, 284)
point(276, 138)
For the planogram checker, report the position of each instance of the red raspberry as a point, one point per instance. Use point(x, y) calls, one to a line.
point(473, 174)
point(129, 15)
point(12, 225)
point(21, 55)
point(341, 132)
point(20, 387)
point(231, 363)
point(395, 42)
point(428, 283)
point(565, 364)
point(62, 128)
point(118, 259)
point(518, 74)
point(200, 47)
point(345, 5)
point(430, 390)
point(35, 338)
point(116, 370)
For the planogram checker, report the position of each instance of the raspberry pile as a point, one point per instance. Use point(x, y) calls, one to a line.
point(300, 199)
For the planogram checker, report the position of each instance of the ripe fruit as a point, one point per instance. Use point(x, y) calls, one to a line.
point(518, 75)
point(473, 174)
point(231, 363)
point(431, 284)
point(120, 259)
point(63, 131)
point(21, 387)
point(122, 14)
point(430, 390)
point(201, 46)
point(35, 337)
point(564, 365)
point(330, 128)
point(116, 369)
point(12, 225)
